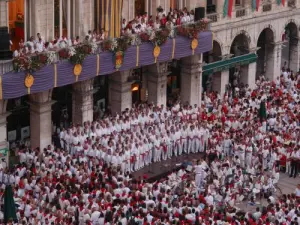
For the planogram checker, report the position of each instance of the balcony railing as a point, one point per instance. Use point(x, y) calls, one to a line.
point(240, 12)
point(267, 7)
point(291, 3)
point(5, 66)
point(213, 17)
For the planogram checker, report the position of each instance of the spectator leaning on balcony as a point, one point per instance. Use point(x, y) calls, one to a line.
point(39, 46)
point(39, 37)
point(76, 41)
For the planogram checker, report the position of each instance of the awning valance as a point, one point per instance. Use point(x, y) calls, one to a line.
point(229, 63)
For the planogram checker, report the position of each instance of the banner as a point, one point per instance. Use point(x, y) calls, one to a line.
point(254, 6)
point(25, 133)
point(12, 135)
point(225, 9)
point(257, 4)
point(230, 6)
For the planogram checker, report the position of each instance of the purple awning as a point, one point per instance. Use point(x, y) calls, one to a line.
point(46, 78)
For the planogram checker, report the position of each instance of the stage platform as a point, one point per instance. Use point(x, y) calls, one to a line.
point(160, 169)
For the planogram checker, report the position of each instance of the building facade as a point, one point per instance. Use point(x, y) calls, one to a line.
point(267, 30)
point(251, 41)
point(32, 114)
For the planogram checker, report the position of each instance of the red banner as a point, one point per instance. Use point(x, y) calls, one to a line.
point(283, 2)
point(257, 4)
point(230, 5)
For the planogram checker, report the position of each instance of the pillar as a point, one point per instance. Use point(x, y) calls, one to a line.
point(40, 119)
point(4, 14)
point(60, 18)
point(274, 63)
point(3, 129)
point(219, 8)
point(157, 83)
point(120, 96)
point(74, 34)
point(248, 74)
point(82, 101)
point(191, 80)
point(294, 58)
point(26, 21)
point(144, 87)
point(220, 81)
point(69, 18)
point(3, 116)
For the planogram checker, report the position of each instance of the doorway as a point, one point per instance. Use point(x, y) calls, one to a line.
point(139, 7)
point(16, 22)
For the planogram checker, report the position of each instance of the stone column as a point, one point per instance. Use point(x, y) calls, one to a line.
point(157, 83)
point(274, 63)
point(82, 101)
point(83, 23)
point(3, 128)
point(248, 74)
point(3, 14)
point(40, 119)
point(220, 81)
point(248, 6)
point(3, 116)
point(120, 96)
point(191, 77)
point(220, 8)
point(41, 18)
point(144, 87)
point(294, 58)
point(128, 10)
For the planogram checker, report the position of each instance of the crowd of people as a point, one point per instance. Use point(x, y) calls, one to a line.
point(141, 23)
point(89, 178)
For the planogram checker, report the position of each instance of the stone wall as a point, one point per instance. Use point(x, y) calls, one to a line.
point(3, 13)
point(84, 17)
point(41, 18)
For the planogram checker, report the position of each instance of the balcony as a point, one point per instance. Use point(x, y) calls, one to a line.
point(267, 7)
point(5, 66)
point(291, 3)
point(240, 12)
point(213, 17)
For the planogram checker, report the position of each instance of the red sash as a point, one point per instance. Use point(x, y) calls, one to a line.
point(132, 159)
point(165, 148)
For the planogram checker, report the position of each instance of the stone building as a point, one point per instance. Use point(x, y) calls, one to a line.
point(253, 41)
point(267, 31)
point(33, 114)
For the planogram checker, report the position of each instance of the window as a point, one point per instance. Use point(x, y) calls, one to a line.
point(238, 3)
point(210, 6)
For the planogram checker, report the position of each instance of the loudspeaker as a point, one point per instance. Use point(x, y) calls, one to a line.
point(3, 30)
point(4, 42)
point(4, 39)
point(5, 53)
point(199, 13)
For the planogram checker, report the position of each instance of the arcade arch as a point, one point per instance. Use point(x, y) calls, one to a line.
point(265, 53)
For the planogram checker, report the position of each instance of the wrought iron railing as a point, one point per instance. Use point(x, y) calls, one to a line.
point(213, 17)
point(240, 12)
point(267, 7)
point(291, 3)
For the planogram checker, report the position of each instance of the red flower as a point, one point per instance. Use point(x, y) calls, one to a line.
point(144, 37)
point(63, 54)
